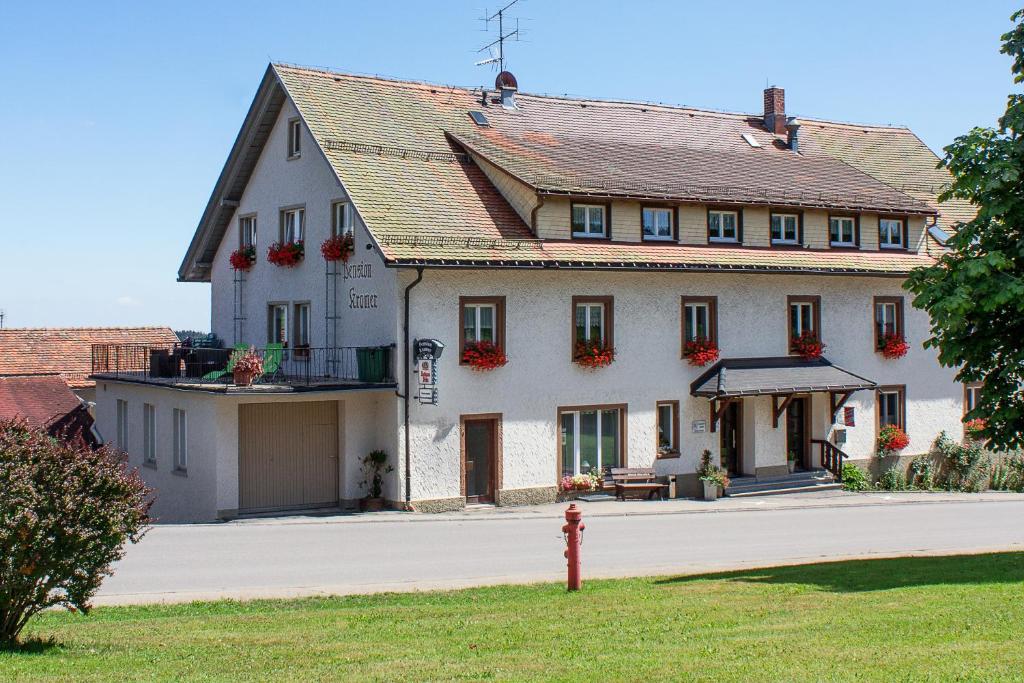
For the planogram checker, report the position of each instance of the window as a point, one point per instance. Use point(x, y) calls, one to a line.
point(804, 317)
point(122, 425)
point(277, 324)
point(724, 226)
point(293, 224)
point(592, 320)
point(301, 336)
point(785, 228)
point(891, 403)
point(668, 428)
point(700, 318)
point(888, 318)
point(972, 392)
point(482, 318)
point(180, 441)
point(591, 439)
point(247, 231)
point(341, 221)
point(658, 223)
point(842, 231)
point(294, 138)
point(890, 233)
point(148, 433)
point(590, 220)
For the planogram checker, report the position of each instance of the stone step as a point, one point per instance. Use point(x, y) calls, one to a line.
point(798, 481)
point(778, 490)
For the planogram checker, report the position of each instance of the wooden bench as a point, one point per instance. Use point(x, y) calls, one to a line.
point(637, 479)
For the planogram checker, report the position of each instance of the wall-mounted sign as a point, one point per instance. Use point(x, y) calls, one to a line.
point(848, 416)
point(839, 436)
point(427, 348)
point(699, 426)
point(426, 353)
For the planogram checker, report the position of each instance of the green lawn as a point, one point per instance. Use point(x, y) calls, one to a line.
point(947, 618)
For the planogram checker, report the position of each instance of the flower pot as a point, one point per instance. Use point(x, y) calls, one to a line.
point(710, 490)
point(242, 378)
point(792, 466)
point(371, 504)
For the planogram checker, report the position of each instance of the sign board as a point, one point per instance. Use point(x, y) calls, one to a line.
point(427, 348)
point(699, 426)
point(425, 369)
point(848, 416)
point(839, 436)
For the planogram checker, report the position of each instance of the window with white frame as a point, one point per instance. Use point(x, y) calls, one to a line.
point(342, 221)
point(591, 440)
point(888, 319)
point(972, 392)
point(785, 228)
point(301, 337)
point(842, 231)
point(589, 220)
point(247, 231)
point(294, 138)
point(180, 440)
point(803, 318)
point(149, 433)
point(277, 324)
point(698, 319)
point(890, 408)
point(293, 225)
point(122, 424)
point(890, 233)
point(479, 322)
point(590, 322)
point(723, 226)
point(668, 427)
point(657, 223)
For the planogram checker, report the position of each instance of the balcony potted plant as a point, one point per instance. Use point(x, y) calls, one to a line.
point(483, 355)
point(338, 247)
point(891, 440)
point(808, 346)
point(592, 354)
point(713, 477)
point(246, 365)
point(375, 466)
point(894, 346)
point(243, 258)
point(699, 352)
point(286, 254)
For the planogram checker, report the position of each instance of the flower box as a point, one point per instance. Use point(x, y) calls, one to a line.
point(808, 346)
point(894, 346)
point(286, 254)
point(243, 258)
point(892, 440)
point(975, 429)
point(700, 352)
point(483, 356)
point(593, 355)
point(338, 247)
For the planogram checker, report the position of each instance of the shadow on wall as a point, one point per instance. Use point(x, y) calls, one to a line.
point(856, 576)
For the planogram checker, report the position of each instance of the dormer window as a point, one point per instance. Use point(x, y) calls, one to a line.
point(294, 138)
point(590, 220)
point(785, 228)
point(842, 231)
point(658, 224)
point(890, 233)
point(723, 226)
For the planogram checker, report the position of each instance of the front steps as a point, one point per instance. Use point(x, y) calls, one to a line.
point(798, 482)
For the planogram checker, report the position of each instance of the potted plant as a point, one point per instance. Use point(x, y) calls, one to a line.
point(571, 486)
point(243, 258)
point(375, 466)
point(713, 477)
point(338, 247)
point(791, 461)
point(808, 346)
point(286, 254)
point(483, 355)
point(593, 354)
point(246, 365)
point(974, 429)
point(700, 351)
point(891, 440)
point(894, 346)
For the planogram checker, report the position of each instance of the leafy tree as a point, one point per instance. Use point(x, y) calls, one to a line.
point(65, 514)
point(975, 293)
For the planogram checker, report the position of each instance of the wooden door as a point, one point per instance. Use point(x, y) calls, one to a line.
point(287, 455)
point(797, 433)
point(479, 454)
point(730, 440)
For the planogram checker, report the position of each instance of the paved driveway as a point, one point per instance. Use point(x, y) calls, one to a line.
point(295, 556)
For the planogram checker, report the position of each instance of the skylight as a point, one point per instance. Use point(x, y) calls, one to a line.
point(940, 235)
point(750, 140)
point(479, 119)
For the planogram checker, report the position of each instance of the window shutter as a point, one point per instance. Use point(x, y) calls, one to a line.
point(739, 226)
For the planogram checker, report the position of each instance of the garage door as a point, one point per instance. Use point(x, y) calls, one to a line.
point(287, 455)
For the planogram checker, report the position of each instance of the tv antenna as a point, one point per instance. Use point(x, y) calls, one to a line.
point(496, 48)
point(2, 313)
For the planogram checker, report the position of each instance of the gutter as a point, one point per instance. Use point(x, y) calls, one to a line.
point(406, 396)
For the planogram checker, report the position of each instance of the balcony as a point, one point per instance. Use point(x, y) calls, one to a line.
point(285, 370)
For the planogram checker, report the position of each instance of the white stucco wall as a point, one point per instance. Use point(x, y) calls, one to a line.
point(752, 319)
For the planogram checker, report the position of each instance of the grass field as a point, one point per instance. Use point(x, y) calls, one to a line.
point(945, 618)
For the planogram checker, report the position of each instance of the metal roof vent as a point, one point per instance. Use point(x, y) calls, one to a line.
point(479, 119)
point(793, 129)
point(506, 83)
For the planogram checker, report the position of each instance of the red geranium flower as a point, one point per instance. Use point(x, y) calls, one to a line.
point(286, 254)
point(894, 346)
point(338, 247)
point(592, 354)
point(974, 429)
point(808, 346)
point(243, 258)
point(892, 438)
point(483, 355)
point(700, 352)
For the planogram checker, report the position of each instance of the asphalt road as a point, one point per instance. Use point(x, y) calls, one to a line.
point(285, 558)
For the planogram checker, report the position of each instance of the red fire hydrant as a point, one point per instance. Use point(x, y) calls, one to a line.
point(573, 530)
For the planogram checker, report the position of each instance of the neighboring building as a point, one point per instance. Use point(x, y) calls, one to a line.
point(537, 222)
point(46, 402)
point(67, 351)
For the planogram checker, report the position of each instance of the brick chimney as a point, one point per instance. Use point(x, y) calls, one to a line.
point(775, 110)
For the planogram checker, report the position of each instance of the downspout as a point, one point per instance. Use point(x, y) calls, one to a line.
point(533, 214)
point(406, 395)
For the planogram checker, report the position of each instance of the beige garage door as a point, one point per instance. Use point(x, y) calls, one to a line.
point(288, 455)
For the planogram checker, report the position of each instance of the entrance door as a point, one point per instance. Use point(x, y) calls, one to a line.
point(730, 437)
point(480, 448)
point(796, 431)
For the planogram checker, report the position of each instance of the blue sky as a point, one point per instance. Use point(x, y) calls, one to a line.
point(119, 115)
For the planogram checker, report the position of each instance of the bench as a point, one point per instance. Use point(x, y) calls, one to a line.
point(636, 479)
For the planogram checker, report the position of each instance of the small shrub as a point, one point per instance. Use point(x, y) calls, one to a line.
point(923, 473)
point(893, 479)
point(966, 465)
point(1002, 476)
point(854, 478)
point(1015, 463)
point(65, 514)
point(375, 466)
point(708, 471)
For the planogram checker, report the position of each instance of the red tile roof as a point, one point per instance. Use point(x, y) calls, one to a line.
point(68, 350)
point(47, 402)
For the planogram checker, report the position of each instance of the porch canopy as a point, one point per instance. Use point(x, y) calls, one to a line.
point(731, 379)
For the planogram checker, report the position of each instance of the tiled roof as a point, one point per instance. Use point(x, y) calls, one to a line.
point(398, 148)
point(38, 399)
point(68, 350)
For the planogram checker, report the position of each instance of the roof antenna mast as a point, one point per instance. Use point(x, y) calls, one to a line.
point(499, 43)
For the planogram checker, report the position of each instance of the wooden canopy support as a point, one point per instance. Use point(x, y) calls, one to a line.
point(777, 409)
point(718, 406)
point(836, 400)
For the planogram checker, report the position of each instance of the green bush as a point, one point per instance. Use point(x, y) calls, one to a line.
point(1009, 474)
point(893, 479)
point(854, 478)
point(65, 514)
point(966, 465)
point(923, 473)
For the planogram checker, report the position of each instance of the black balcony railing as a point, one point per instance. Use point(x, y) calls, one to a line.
point(302, 366)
